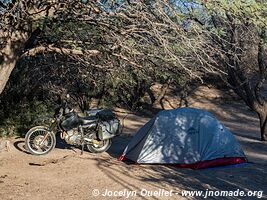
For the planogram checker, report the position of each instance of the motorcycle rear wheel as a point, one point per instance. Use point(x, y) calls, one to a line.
point(102, 146)
point(39, 140)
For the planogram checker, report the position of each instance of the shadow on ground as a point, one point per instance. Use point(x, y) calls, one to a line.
point(246, 177)
point(19, 144)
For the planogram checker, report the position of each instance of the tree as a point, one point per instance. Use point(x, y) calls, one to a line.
point(235, 31)
point(134, 43)
point(110, 36)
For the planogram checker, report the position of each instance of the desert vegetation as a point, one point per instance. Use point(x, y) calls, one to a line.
point(112, 52)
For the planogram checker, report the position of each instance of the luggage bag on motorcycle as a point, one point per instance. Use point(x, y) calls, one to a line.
point(108, 125)
point(102, 114)
point(108, 129)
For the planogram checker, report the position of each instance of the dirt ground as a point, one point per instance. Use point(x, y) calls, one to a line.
point(69, 175)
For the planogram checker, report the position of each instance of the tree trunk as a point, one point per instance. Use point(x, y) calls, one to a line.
point(11, 52)
point(263, 127)
point(162, 94)
point(5, 72)
point(7, 65)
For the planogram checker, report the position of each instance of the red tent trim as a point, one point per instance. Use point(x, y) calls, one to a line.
point(202, 164)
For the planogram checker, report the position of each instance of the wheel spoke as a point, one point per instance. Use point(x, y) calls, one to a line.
point(36, 142)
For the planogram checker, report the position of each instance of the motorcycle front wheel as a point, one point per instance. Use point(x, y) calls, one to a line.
point(39, 140)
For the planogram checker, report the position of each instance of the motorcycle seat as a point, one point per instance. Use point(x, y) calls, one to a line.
point(88, 120)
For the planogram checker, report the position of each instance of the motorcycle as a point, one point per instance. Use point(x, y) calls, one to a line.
point(94, 131)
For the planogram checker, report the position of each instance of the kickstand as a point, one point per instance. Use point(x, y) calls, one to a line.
point(82, 138)
point(82, 148)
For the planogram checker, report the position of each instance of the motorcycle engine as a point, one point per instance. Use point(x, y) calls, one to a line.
point(73, 137)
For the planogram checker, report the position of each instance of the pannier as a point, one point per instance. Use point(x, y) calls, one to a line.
point(108, 125)
point(108, 129)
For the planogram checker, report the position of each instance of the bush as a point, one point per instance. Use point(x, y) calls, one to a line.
point(19, 118)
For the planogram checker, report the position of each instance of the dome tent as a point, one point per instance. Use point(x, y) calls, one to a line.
point(186, 137)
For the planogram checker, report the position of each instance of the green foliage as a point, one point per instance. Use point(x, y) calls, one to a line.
point(139, 44)
point(252, 11)
point(19, 118)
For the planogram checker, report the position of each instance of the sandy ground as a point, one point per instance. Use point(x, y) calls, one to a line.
point(69, 175)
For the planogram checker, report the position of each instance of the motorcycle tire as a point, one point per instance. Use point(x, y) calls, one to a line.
point(105, 144)
point(35, 143)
